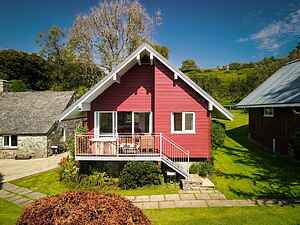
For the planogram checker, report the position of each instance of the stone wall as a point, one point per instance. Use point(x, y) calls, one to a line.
point(28, 146)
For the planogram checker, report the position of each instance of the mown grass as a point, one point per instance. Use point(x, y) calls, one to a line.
point(48, 183)
point(243, 170)
point(272, 215)
point(9, 213)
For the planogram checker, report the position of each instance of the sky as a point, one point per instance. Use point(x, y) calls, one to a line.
point(211, 32)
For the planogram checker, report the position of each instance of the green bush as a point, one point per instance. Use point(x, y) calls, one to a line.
point(139, 174)
point(218, 134)
point(202, 168)
point(68, 171)
point(17, 85)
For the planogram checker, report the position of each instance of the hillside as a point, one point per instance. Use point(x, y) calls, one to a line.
point(229, 86)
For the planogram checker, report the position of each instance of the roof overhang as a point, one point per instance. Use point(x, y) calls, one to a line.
point(82, 105)
point(282, 105)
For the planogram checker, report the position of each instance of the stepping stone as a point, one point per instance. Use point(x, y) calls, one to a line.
point(150, 205)
point(35, 195)
point(142, 198)
point(202, 196)
point(172, 197)
point(190, 204)
point(167, 204)
point(131, 198)
point(157, 198)
point(187, 196)
point(21, 201)
point(5, 194)
point(9, 187)
point(216, 196)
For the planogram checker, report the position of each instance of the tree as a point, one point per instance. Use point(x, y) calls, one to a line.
point(189, 65)
point(295, 53)
point(30, 68)
point(68, 71)
point(112, 31)
point(164, 51)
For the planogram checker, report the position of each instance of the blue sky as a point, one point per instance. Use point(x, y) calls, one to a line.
point(211, 32)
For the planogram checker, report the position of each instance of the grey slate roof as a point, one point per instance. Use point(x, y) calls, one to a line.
point(31, 112)
point(281, 89)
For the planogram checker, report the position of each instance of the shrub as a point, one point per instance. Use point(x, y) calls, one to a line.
point(139, 174)
point(96, 179)
point(82, 208)
point(68, 171)
point(202, 168)
point(218, 134)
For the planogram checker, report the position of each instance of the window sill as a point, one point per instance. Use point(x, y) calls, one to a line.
point(183, 132)
point(8, 148)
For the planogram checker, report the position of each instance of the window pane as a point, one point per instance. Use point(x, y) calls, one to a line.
point(177, 121)
point(189, 121)
point(14, 140)
point(106, 123)
point(141, 122)
point(125, 122)
point(6, 140)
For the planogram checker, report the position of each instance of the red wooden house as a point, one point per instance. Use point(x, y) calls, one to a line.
point(146, 110)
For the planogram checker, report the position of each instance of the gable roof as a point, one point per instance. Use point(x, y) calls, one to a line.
point(31, 112)
point(74, 110)
point(282, 89)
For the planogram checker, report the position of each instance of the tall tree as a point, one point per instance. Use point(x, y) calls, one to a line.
point(112, 30)
point(30, 68)
point(189, 65)
point(68, 70)
point(295, 53)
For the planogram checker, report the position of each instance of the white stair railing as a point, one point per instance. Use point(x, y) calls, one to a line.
point(174, 156)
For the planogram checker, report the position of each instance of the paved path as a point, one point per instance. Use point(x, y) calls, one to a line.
point(14, 169)
point(205, 198)
point(19, 195)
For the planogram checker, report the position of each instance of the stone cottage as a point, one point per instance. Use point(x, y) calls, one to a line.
point(28, 122)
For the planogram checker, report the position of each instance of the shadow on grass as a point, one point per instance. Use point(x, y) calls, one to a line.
point(271, 176)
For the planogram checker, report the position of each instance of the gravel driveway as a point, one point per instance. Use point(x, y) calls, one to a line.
point(15, 169)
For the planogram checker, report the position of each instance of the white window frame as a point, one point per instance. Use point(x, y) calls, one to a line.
point(97, 124)
point(115, 123)
point(269, 114)
point(9, 141)
point(183, 131)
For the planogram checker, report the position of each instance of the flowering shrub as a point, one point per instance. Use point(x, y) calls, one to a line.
point(85, 208)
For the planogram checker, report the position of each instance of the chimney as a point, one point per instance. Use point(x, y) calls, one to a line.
point(3, 86)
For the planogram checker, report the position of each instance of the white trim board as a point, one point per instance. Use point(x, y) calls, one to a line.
point(122, 68)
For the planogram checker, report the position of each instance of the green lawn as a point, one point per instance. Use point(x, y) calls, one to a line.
point(48, 183)
point(242, 170)
point(8, 213)
point(272, 215)
point(246, 171)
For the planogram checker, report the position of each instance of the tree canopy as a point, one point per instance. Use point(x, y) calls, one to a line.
point(189, 65)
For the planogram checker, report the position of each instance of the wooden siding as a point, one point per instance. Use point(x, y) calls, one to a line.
point(281, 127)
point(175, 96)
point(134, 93)
point(153, 88)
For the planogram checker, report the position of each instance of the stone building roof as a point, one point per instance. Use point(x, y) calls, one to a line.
point(31, 112)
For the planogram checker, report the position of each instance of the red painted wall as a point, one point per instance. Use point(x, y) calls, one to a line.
point(152, 88)
point(134, 93)
point(175, 96)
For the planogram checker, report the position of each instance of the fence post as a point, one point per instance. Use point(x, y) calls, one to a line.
point(160, 144)
point(75, 136)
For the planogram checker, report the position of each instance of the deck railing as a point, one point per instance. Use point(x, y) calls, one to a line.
point(135, 145)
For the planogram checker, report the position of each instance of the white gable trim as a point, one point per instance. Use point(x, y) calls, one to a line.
point(101, 86)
